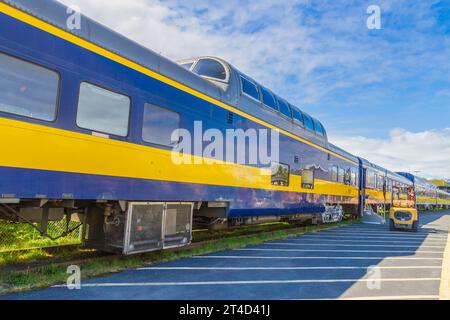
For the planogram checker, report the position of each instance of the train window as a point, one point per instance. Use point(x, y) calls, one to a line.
point(396, 192)
point(307, 179)
point(298, 116)
point(370, 180)
point(269, 99)
point(284, 108)
point(319, 128)
point(211, 69)
point(27, 89)
point(334, 173)
point(103, 110)
point(348, 177)
point(280, 174)
point(380, 182)
point(341, 175)
point(354, 177)
point(389, 185)
point(159, 125)
point(308, 122)
point(249, 88)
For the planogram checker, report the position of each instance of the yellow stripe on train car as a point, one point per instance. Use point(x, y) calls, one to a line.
point(378, 195)
point(33, 146)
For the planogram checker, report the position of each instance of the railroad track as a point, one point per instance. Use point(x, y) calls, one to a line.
point(78, 256)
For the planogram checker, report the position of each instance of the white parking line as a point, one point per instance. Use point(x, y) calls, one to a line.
point(381, 234)
point(384, 229)
point(420, 297)
point(288, 268)
point(364, 238)
point(208, 283)
point(332, 250)
point(411, 297)
point(298, 240)
point(336, 234)
point(420, 231)
point(444, 290)
point(365, 226)
point(317, 258)
point(378, 236)
point(349, 245)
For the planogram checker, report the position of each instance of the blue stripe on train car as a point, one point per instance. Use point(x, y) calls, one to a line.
point(58, 185)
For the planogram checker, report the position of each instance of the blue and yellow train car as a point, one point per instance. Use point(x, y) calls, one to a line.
point(373, 181)
point(87, 120)
point(382, 189)
point(443, 199)
point(428, 196)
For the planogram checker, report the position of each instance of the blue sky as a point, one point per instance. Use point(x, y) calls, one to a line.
point(382, 94)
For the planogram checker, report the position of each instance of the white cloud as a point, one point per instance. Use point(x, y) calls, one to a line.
point(427, 151)
point(302, 58)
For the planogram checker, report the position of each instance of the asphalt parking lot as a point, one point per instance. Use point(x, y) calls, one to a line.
point(352, 262)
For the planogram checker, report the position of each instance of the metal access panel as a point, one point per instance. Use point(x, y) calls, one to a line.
point(144, 227)
point(153, 226)
point(178, 224)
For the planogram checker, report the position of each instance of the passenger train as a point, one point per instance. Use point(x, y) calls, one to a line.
point(86, 117)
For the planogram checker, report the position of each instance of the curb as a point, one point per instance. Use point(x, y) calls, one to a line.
point(444, 292)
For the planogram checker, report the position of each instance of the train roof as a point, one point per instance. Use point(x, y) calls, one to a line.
point(418, 181)
point(367, 164)
point(229, 81)
point(391, 175)
point(399, 178)
point(443, 193)
point(342, 152)
point(55, 13)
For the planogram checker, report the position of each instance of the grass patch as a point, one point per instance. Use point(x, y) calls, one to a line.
point(22, 256)
point(29, 258)
point(17, 236)
point(48, 275)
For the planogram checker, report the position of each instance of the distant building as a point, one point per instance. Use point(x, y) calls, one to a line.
point(445, 188)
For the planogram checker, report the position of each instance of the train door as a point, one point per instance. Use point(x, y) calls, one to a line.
point(362, 190)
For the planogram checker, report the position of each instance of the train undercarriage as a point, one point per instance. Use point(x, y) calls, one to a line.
point(134, 227)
